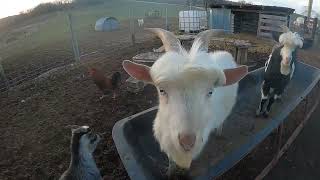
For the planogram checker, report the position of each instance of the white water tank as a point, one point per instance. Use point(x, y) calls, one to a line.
point(192, 21)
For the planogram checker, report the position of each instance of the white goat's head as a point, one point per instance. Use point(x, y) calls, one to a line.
point(185, 83)
point(290, 42)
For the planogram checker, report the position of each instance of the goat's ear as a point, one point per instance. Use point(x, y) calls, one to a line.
point(235, 75)
point(137, 71)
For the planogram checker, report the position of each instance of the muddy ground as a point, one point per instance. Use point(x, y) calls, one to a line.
point(35, 143)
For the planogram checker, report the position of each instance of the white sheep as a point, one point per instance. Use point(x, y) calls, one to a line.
point(197, 91)
point(140, 22)
point(279, 70)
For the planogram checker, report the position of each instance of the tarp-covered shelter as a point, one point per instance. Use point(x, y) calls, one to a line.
point(107, 24)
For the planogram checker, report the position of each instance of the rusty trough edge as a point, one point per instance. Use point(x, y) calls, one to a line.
point(294, 135)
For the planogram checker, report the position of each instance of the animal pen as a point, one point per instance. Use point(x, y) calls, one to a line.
point(48, 87)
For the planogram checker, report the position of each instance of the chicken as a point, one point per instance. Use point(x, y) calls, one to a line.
point(106, 85)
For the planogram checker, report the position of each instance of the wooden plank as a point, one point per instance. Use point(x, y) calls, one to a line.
point(264, 34)
point(274, 21)
point(259, 11)
point(269, 21)
point(271, 28)
point(273, 17)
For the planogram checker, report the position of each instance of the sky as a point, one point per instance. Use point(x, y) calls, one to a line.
point(13, 7)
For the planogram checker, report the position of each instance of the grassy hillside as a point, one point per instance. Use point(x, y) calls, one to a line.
point(50, 33)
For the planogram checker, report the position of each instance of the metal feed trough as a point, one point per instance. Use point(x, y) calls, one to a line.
point(242, 131)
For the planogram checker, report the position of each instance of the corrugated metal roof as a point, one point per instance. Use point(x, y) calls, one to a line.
point(241, 6)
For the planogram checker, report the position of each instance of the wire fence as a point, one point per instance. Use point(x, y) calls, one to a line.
point(85, 33)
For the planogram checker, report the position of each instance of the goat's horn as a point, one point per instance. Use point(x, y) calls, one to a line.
point(169, 40)
point(284, 28)
point(202, 40)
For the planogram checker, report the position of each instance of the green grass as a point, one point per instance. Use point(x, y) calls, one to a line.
point(55, 29)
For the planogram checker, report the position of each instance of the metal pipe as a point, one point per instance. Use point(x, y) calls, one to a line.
point(310, 8)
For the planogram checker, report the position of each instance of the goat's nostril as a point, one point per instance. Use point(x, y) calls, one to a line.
point(187, 141)
point(286, 61)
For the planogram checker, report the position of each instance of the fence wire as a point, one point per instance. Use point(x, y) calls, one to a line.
point(77, 35)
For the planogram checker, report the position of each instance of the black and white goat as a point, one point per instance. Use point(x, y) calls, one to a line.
point(279, 70)
point(82, 165)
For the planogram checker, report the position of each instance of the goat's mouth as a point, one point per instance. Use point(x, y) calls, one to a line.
point(94, 138)
point(285, 63)
point(187, 142)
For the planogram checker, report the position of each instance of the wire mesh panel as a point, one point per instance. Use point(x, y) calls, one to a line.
point(31, 45)
point(192, 21)
point(87, 32)
point(114, 25)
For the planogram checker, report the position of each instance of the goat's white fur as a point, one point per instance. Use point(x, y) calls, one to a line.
point(140, 22)
point(187, 79)
point(290, 41)
point(299, 21)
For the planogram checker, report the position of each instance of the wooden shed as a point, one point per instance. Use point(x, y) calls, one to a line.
point(257, 19)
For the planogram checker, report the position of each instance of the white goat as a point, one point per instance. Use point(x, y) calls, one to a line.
point(197, 91)
point(140, 22)
point(299, 21)
point(279, 70)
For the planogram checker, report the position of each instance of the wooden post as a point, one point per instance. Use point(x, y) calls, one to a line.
point(133, 38)
point(310, 8)
point(314, 28)
point(167, 28)
point(75, 46)
point(3, 75)
point(241, 54)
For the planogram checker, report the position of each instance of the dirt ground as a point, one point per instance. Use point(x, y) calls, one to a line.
point(302, 160)
point(34, 138)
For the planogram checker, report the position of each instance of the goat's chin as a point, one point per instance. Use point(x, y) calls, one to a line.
point(285, 69)
point(183, 161)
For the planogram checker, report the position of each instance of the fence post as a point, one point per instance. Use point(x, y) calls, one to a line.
point(167, 27)
point(75, 46)
point(133, 38)
point(3, 75)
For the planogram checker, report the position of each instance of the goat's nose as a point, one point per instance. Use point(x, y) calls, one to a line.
point(187, 141)
point(286, 61)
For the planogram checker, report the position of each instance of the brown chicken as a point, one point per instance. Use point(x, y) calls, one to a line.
point(107, 85)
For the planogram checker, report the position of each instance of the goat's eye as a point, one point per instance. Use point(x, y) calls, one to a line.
point(163, 92)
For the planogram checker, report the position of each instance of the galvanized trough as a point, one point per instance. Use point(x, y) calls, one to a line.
point(143, 160)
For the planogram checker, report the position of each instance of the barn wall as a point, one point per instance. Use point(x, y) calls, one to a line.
point(220, 18)
point(246, 22)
